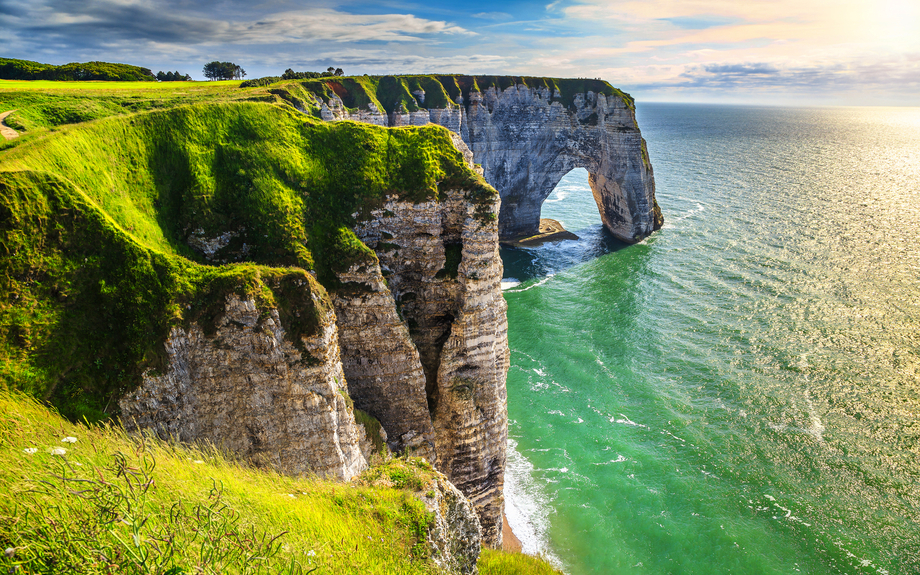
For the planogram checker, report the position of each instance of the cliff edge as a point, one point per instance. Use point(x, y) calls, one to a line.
point(526, 133)
point(240, 274)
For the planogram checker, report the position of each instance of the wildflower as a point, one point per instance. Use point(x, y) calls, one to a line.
point(198, 461)
point(58, 451)
point(69, 439)
point(30, 450)
point(291, 495)
point(10, 551)
point(311, 553)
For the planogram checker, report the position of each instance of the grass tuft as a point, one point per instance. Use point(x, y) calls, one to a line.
point(495, 562)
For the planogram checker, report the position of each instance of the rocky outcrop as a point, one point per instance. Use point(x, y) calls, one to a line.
point(527, 133)
point(454, 534)
point(441, 263)
point(416, 338)
point(526, 140)
point(247, 389)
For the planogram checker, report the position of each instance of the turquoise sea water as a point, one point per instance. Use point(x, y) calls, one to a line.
point(739, 393)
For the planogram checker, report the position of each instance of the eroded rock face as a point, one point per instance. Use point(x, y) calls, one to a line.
point(526, 143)
point(526, 140)
point(444, 272)
point(246, 389)
point(380, 361)
point(455, 537)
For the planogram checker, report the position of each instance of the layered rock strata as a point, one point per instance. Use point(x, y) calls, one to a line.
point(527, 138)
point(441, 263)
point(247, 389)
point(526, 141)
point(417, 338)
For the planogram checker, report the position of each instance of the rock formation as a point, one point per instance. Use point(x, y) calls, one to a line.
point(442, 265)
point(409, 323)
point(527, 133)
point(246, 389)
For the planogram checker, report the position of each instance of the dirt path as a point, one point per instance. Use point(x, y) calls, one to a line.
point(8, 133)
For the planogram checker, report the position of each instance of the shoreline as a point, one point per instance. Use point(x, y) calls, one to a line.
point(510, 542)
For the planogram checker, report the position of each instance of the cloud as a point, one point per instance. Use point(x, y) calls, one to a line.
point(94, 22)
point(888, 74)
point(740, 69)
point(700, 22)
point(492, 15)
point(389, 61)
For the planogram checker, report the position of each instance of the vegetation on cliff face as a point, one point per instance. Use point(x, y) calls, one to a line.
point(400, 93)
point(96, 221)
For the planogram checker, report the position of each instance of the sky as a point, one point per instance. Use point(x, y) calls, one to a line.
point(782, 52)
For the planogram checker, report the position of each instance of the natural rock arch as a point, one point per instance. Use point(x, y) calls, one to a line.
point(526, 141)
point(526, 133)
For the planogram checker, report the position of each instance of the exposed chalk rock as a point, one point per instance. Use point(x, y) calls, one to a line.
point(526, 139)
point(443, 268)
point(246, 389)
point(455, 537)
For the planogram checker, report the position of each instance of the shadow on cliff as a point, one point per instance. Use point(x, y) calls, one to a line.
point(524, 264)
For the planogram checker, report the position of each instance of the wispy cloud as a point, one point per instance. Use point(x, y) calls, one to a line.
point(493, 15)
point(88, 21)
point(652, 48)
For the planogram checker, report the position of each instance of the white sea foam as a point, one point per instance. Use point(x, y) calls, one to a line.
point(619, 459)
point(627, 421)
point(690, 213)
point(557, 196)
point(528, 505)
point(508, 283)
point(538, 284)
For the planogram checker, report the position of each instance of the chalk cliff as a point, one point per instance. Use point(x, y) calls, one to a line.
point(256, 274)
point(526, 134)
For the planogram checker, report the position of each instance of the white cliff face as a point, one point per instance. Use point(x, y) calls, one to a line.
point(526, 140)
point(443, 269)
point(246, 389)
point(380, 361)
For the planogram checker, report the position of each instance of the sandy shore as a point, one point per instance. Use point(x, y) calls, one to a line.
point(510, 542)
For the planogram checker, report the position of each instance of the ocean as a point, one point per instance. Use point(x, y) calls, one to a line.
point(740, 392)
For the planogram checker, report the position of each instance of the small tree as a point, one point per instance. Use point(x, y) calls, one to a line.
point(339, 72)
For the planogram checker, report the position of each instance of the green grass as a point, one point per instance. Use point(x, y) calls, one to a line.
point(95, 218)
point(117, 503)
point(114, 503)
point(494, 562)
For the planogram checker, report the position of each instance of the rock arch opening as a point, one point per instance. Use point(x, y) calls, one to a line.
point(571, 202)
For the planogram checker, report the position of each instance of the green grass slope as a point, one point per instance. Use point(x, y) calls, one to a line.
point(94, 221)
point(94, 500)
point(111, 503)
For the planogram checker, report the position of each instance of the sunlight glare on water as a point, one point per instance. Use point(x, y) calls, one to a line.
point(740, 393)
